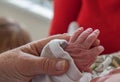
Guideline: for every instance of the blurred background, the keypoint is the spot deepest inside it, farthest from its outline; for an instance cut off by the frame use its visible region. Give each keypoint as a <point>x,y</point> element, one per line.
<point>35,15</point>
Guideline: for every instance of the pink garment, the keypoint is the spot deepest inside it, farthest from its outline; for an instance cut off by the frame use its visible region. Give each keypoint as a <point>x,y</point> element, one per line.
<point>113,76</point>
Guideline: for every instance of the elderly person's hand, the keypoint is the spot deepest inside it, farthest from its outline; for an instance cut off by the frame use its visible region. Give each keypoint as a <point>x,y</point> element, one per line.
<point>23,63</point>
<point>84,47</point>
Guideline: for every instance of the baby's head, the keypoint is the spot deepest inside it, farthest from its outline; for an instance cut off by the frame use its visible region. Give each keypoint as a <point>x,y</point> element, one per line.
<point>12,35</point>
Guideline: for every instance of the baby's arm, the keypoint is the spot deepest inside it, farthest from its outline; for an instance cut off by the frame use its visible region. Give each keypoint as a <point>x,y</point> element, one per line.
<point>81,48</point>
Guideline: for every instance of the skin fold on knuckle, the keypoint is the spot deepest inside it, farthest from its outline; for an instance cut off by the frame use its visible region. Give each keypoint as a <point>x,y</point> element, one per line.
<point>48,66</point>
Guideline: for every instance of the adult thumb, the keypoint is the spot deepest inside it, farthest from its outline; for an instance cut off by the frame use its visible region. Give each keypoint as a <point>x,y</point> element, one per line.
<point>52,66</point>
<point>33,65</point>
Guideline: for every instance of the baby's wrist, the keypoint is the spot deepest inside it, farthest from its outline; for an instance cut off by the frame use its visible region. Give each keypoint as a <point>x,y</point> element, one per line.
<point>85,69</point>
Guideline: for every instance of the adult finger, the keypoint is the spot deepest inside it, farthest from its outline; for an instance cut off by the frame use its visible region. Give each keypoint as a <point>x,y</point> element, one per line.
<point>30,65</point>
<point>36,47</point>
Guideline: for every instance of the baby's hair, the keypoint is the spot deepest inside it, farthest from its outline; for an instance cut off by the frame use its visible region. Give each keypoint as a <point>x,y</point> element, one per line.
<point>12,34</point>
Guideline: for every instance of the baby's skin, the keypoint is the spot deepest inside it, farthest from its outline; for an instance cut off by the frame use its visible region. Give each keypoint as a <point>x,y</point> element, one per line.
<point>84,47</point>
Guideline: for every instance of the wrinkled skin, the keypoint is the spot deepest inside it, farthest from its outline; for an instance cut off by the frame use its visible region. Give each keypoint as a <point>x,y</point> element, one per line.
<point>84,47</point>
<point>23,63</point>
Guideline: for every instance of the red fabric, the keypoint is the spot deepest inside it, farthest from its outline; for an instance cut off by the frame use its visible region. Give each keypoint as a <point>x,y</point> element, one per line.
<point>101,14</point>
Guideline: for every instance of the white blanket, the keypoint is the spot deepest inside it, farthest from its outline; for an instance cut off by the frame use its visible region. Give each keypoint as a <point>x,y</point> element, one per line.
<point>55,49</point>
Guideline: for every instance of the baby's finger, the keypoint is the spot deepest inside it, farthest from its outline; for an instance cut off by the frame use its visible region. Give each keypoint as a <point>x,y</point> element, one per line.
<point>76,34</point>
<point>96,51</point>
<point>84,35</point>
<point>91,39</point>
<point>96,43</point>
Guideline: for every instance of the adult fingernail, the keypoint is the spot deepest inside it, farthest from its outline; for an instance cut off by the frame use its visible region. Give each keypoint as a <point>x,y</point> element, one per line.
<point>60,66</point>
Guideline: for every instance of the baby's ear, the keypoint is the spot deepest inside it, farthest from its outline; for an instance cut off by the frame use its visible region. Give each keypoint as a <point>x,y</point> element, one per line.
<point>73,26</point>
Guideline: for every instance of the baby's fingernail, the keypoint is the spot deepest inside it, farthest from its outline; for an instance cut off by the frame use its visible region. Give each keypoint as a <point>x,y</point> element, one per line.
<point>89,29</point>
<point>97,31</point>
<point>60,66</point>
<point>101,48</point>
<point>81,28</point>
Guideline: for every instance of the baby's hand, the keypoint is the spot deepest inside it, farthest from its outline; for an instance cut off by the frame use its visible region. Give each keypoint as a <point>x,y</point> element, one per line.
<point>81,48</point>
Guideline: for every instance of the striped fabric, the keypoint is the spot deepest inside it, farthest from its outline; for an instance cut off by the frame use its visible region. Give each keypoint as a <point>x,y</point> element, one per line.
<point>105,63</point>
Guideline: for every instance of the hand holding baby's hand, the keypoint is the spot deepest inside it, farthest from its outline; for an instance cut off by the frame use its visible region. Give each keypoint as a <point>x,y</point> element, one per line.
<point>82,49</point>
